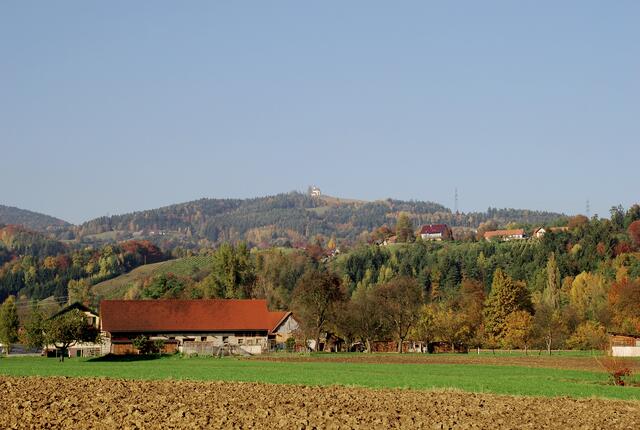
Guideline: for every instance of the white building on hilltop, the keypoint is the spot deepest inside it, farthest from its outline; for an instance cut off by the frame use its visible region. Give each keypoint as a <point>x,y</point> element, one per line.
<point>314,191</point>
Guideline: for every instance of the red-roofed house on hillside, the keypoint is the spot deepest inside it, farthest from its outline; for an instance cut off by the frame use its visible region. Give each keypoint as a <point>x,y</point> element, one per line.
<point>505,235</point>
<point>435,232</point>
<point>188,325</point>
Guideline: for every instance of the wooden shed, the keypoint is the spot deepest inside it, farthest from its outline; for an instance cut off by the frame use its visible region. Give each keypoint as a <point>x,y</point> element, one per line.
<point>624,344</point>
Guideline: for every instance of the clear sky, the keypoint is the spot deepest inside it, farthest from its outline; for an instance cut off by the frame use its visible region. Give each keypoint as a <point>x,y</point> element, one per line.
<point>110,107</point>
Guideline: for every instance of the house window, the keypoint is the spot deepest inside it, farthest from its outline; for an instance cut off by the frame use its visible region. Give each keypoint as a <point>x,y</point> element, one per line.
<point>240,341</point>
<point>203,338</point>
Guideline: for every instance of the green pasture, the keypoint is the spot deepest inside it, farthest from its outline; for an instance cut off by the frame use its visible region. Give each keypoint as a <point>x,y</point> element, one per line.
<point>512,380</point>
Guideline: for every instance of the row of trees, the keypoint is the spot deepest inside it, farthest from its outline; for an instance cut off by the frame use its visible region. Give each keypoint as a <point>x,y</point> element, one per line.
<point>398,309</point>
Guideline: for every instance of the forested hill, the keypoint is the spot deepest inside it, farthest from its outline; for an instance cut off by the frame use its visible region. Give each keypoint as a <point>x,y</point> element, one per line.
<point>29,219</point>
<point>292,217</point>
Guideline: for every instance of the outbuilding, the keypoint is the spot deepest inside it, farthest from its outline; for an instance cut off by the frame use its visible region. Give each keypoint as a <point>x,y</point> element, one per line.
<point>201,326</point>
<point>624,344</point>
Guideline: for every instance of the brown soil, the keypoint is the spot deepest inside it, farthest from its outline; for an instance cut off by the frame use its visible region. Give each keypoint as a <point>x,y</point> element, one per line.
<point>518,359</point>
<point>108,403</point>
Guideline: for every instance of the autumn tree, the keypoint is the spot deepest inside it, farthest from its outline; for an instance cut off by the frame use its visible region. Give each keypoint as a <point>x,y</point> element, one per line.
<point>518,330</point>
<point>548,321</point>
<point>588,296</point>
<point>367,315</point>
<point>624,302</point>
<point>232,274</point>
<point>634,232</point>
<point>9,323</point>
<point>80,291</point>
<point>402,298</point>
<point>404,229</point>
<point>588,335</point>
<point>551,293</point>
<point>425,329</point>
<point>452,326</point>
<point>315,301</point>
<point>471,303</point>
<point>577,222</point>
<point>506,296</point>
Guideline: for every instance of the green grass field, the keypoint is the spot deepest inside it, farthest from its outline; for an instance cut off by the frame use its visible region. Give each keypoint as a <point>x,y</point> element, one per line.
<point>512,380</point>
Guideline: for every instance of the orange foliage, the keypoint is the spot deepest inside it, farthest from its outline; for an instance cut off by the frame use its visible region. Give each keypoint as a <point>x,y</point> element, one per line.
<point>634,232</point>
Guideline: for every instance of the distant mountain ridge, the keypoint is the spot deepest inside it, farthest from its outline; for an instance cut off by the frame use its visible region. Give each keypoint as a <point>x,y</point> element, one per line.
<point>289,218</point>
<point>29,219</point>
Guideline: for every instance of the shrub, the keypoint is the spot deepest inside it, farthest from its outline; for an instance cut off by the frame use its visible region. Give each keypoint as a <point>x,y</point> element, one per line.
<point>290,344</point>
<point>141,344</point>
<point>617,368</point>
<point>158,346</point>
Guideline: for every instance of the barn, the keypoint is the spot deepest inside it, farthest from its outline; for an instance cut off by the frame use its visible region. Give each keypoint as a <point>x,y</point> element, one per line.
<point>203,326</point>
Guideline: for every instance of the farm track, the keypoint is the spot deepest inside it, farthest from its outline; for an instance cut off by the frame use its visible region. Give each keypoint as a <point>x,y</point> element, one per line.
<point>33,402</point>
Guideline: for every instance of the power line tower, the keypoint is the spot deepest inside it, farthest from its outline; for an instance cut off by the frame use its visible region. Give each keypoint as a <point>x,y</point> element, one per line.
<point>588,209</point>
<point>455,200</point>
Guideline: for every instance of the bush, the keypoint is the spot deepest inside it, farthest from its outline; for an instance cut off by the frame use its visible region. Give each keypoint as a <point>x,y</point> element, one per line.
<point>158,346</point>
<point>141,343</point>
<point>617,368</point>
<point>290,344</point>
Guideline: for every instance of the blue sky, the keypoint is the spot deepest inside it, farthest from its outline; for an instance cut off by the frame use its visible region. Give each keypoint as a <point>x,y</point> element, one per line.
<point>110,107</point>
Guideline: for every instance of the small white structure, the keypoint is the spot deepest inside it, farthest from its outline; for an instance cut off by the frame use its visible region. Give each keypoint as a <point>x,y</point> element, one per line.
<point>624,345</point>
<point>539,232</point>
<point>625,351</point>
<point>314,191</point>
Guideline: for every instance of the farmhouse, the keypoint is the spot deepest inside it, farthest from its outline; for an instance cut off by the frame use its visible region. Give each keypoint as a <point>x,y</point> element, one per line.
<point>505,235</point>
<point>246,326</point>
<point>539,232</point>
<point>624,345</point>
<point>79,349</point>
<point>436,232</point>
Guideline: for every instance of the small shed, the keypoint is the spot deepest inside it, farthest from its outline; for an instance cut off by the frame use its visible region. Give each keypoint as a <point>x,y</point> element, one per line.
<point>624,344</point>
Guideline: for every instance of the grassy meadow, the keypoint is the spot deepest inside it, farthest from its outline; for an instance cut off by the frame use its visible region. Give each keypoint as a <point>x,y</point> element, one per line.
<point>486,378</point>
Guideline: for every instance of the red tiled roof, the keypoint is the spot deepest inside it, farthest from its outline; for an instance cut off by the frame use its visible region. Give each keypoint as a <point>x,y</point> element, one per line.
<point>433,229</point>
<point>188,315</point>
<point>498,233</point>
<point>276,318</point>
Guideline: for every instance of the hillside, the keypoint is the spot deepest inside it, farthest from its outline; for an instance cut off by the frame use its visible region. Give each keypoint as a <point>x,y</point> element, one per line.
<point>116,288</point>
<point>31,220</point>
<point>284,219</point>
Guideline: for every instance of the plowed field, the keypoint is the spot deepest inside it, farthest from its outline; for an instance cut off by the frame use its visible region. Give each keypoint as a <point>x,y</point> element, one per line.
<point>109,403</point>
